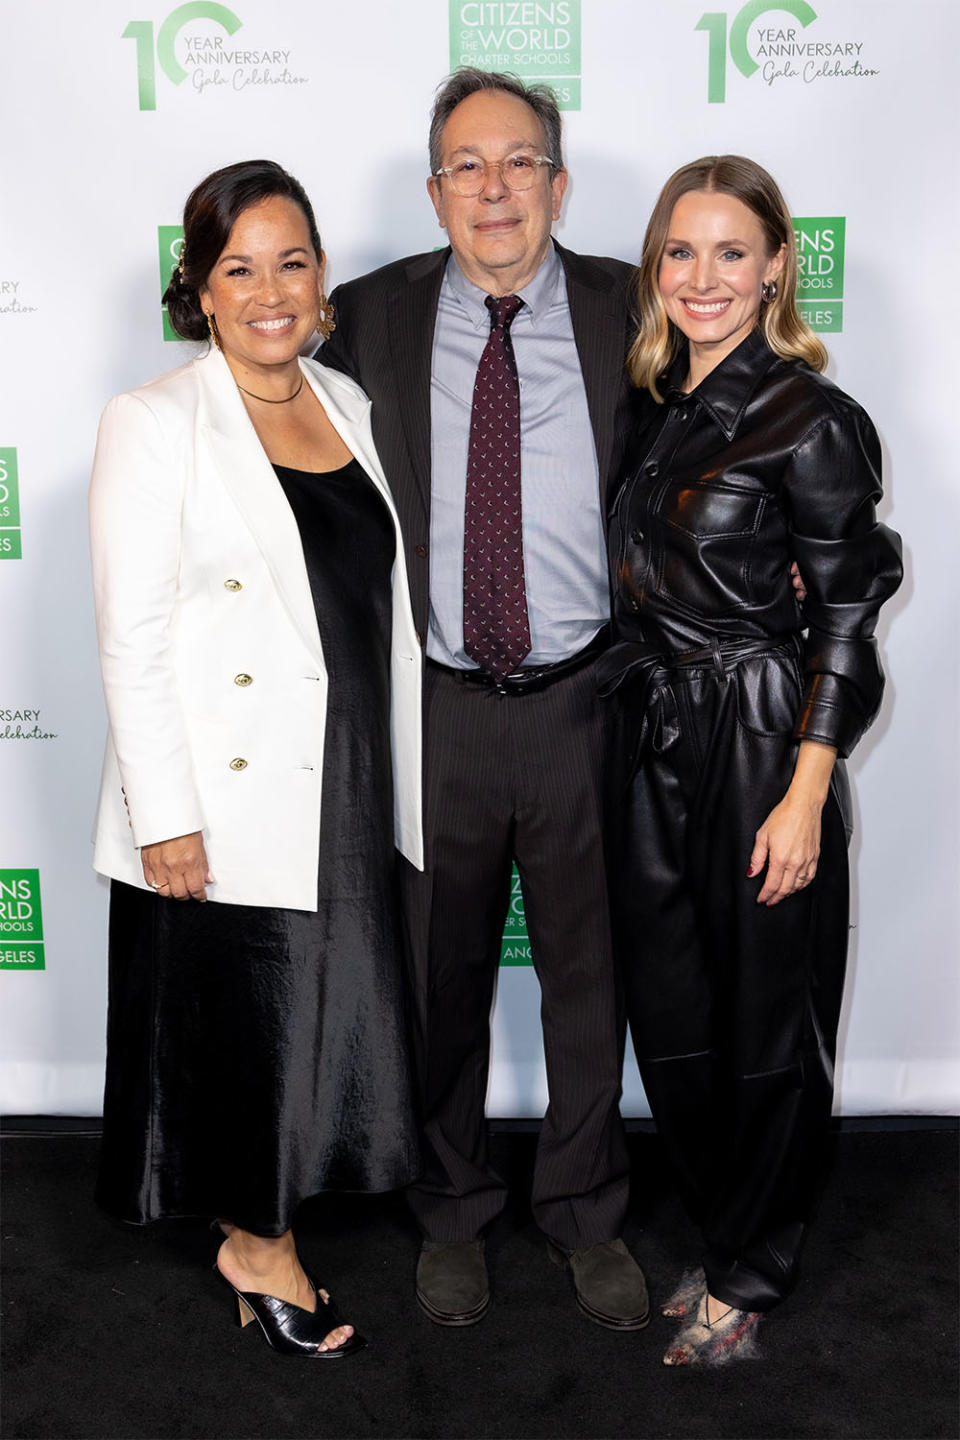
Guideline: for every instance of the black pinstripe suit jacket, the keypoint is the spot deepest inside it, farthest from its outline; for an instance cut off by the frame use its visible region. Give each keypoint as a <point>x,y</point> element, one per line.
<point>384,340</point>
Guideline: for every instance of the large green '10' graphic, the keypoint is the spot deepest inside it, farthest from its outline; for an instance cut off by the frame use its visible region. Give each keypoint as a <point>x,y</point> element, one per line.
<point>715,23</point>
<point>142,32</point>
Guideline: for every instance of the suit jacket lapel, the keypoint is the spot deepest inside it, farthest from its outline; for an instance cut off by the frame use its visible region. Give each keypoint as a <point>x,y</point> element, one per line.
<point>241,464</point>
<point>599,329</point>
<point>413,318</point>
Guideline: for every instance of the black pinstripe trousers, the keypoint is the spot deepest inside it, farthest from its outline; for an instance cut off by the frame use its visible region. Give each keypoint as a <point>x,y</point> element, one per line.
<point>516,777</point>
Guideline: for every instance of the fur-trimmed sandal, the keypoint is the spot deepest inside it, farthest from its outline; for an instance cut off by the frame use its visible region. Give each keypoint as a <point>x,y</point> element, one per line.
<point>712,1343</point>
<point>686,1298</point>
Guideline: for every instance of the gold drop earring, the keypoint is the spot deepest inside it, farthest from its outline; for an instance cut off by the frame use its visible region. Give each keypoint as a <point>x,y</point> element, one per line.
<point>326,323</point>
<point>212,326</point>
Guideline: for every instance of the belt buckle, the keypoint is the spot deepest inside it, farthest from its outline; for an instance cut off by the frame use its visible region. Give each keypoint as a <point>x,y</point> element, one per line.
<point>521,682</point>
<point>509,684</point>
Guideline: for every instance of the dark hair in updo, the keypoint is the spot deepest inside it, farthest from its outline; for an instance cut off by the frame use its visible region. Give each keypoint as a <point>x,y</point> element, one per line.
<point>211,212</point>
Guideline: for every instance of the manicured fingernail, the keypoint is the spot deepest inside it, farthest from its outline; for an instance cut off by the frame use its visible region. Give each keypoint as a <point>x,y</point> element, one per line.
<point>749,871</point>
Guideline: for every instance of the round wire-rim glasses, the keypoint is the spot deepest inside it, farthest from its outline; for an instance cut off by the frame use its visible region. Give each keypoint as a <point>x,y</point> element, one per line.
<point>518,172</point>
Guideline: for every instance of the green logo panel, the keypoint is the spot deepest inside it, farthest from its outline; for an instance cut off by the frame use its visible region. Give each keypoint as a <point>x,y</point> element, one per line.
<point>21,957</point>
<point>21,921</point>
<point>822,315</point>
<point>821,246</point>
<point>515,945</point>
<point>820,249</point>
<point>9,487</point>
<point>9,504</point>
<point>537,42</point>
<point>169,240</point>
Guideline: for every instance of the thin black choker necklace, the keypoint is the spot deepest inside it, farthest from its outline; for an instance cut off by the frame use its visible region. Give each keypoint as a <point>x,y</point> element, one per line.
<point>285,401</point>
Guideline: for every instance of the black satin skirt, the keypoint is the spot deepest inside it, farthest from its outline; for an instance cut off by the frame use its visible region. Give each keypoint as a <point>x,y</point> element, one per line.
<point>257,1056</point>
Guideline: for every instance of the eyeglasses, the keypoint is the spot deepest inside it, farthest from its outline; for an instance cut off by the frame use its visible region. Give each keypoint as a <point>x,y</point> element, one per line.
<point>518,172</point>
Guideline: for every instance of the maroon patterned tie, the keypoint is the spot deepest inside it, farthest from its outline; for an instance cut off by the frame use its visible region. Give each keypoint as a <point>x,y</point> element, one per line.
<point>496,627</point>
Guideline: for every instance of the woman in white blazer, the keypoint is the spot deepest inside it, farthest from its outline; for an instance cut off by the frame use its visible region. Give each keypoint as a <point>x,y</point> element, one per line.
<point>262,678</point>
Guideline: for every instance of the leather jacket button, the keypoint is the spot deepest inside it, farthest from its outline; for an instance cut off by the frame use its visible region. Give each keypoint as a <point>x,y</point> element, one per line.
<point>652,469</point>
<point>634,604</point>
<point>238,764</point>
<point>682,414</point>
<point>420,550</point>
<point>636,536</point>
<point>243,679</point>
<point>232,585</point>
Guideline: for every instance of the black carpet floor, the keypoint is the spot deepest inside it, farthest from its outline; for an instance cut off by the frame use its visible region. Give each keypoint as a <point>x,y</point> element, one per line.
<point>111,1331</point>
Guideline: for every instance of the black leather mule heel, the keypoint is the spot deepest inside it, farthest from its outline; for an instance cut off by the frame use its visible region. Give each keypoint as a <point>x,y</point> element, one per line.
<point>291,1330</point>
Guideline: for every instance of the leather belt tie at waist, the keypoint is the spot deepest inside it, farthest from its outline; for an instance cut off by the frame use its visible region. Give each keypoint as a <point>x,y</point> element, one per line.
<point>649,673</point>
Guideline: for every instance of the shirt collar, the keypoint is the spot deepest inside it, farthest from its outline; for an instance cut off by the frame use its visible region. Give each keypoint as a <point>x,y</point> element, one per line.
<point>537,297</point>
<point>726,391</point>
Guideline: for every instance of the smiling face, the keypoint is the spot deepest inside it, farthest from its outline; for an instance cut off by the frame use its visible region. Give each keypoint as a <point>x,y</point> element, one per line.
<point>714,264</point>
<point>500,236</point>
<point>265,288</point>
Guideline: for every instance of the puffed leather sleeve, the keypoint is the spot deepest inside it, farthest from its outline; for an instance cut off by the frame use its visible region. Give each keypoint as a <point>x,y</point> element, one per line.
<point>850,564</point>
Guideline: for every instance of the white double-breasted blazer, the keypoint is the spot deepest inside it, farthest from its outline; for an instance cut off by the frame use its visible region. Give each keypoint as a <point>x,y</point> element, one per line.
<point>212,665</point>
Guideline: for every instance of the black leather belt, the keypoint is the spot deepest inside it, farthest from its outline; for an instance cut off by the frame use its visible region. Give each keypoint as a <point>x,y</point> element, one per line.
<point>529,678</point>
<point>648,675</point>
<point>641,660</point>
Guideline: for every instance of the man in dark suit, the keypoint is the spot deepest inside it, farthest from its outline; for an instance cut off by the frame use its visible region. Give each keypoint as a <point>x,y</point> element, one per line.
<point>470,385</point>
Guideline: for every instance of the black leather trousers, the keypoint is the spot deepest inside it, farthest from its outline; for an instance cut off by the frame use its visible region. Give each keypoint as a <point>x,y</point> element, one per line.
<point>733,1006</point>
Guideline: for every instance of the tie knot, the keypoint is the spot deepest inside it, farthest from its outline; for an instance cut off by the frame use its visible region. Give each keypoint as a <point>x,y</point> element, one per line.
<point>502,310</point>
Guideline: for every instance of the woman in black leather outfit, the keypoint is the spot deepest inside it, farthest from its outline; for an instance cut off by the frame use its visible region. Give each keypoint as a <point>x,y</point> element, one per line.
<point>733,712</point>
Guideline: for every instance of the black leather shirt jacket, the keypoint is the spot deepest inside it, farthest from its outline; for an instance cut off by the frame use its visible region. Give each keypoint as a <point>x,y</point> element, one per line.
<point>765,462</point>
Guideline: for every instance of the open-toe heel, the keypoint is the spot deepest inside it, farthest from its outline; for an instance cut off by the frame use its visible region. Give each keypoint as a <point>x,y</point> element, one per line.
<point>291,1330</point>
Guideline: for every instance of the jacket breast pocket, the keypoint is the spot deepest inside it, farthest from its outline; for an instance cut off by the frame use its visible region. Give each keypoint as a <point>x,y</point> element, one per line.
<point>709,534</point>
<point>708,510</point>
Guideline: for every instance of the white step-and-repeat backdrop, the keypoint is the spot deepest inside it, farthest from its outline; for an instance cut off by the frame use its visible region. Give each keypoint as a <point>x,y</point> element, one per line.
<point>112,111</point>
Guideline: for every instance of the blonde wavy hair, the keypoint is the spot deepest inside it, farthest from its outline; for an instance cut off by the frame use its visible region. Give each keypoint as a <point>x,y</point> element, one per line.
<point>658,340</point>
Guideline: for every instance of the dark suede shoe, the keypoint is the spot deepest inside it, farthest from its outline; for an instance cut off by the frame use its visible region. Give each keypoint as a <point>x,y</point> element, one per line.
<point>452,1285</point>
<point>609,1283</point>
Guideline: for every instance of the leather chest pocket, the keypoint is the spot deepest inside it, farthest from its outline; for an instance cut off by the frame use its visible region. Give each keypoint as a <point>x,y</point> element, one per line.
<point>712,511</point>
<point>708,541</point>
